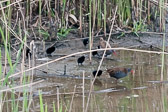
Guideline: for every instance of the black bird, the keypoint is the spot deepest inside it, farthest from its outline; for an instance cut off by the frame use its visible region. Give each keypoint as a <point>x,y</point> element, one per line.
<point>28,53</point>
<point>81,60</point>
<point>85,41</point>
<point>98,74</point>
<point>95,52</point>
<point>50,50</point>
<point>98,47</point>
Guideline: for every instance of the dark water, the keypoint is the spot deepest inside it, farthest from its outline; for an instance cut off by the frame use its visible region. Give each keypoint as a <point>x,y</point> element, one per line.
<point>140,92</point>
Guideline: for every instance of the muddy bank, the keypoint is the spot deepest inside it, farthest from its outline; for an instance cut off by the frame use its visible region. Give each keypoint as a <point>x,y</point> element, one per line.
<point>145,40</point>
<point>73,43</point>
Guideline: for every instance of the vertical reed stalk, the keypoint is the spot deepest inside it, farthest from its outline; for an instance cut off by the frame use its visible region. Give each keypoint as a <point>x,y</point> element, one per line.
<point>140,8</point>
<point>39,24</point>
<point>83,91</point>
<point>99,14</point>
<point>58,106</point>
<point>1,102</point>
<point>105,17</point>
<point>81,17</point>
<point>41,102</point>
<point>0,65</point>
<point>90,29</point>
<point>162,98</point>
<point>63,13</point>
<point>54,110</point>
<point>72,99</point>
<point>46,109</point>
<point>9,18</point>
<point>163,58</point>
<point>5,40</point>
<point>149,4</point>
<point>28,11</point>
<point>93,23</point>
<point>162,23</point>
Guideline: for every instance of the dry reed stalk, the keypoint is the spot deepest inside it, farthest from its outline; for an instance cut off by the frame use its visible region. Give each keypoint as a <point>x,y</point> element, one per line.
<point>72,99</point>
<point>58,106</point>
<point>83,91</point>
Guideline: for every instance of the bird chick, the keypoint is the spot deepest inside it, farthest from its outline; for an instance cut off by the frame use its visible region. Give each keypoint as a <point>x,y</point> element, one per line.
<point>50,50</point>
<point>81,60</point>
<point>98,74</point>
<point>85,41</point>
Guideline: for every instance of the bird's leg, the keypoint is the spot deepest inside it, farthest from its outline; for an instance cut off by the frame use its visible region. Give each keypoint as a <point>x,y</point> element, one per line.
<point>49,55</point>
<point>116,81</point>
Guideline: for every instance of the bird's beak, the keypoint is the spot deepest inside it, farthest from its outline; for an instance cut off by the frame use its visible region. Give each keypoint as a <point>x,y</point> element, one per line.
<point>115,53</point>
<point>132,71</point>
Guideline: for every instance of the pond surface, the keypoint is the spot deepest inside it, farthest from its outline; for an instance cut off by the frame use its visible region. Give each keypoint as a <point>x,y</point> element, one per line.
<point>140,92</point>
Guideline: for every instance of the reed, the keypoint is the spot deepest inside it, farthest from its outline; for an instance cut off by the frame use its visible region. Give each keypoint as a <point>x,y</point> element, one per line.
<point>99,19</point>
<point>63,13</point>
<point>162,28</point>
<point>105,12</point>
<point>9,15</point>
<point>90,28</point>
<point>164,102</point>
<point>81,18</point>
<point>39,24</point>
<point>41,101</point>
<point>54,110</point>
<point>0,64</point>
<point>46,108</point>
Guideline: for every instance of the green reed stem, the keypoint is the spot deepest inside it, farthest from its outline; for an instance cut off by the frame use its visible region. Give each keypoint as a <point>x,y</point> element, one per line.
<point>163,98</point>
<point>105,17</point>
<point>46,107</point>
<point>9,19</point>
<point>0,64</point>
<point>140,8</point>
<point>63,13</point>
<point>54,110</point>
<point>162,23</point>
<point>14,105</point>
<point>99,14</point>
<point>25,101</point>
<point>41,101</point>
<point>163,60</point>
